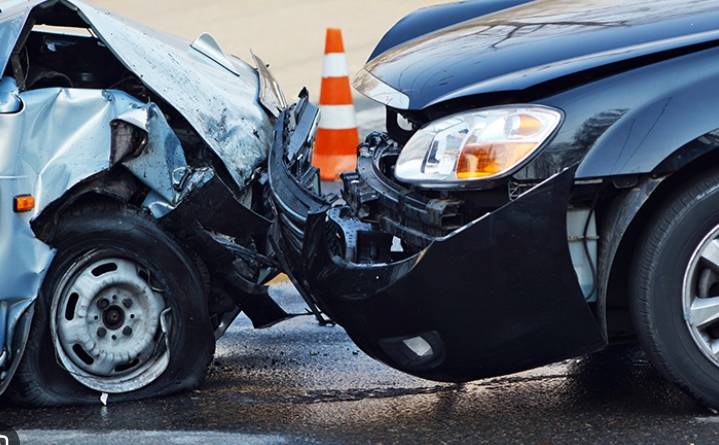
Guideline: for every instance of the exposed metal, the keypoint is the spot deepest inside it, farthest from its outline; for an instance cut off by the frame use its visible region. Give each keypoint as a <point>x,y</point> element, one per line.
<point>699,298</point>
<point>106,324</point>
<point>219,104</point>
<point>208,46</point>
<point>55,139</point>
<point>160,163</point>
<point>583,240</point>
<point>271,95</point>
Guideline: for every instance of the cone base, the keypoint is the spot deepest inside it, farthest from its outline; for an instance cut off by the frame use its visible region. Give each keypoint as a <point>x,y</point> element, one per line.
<point>332,165</point>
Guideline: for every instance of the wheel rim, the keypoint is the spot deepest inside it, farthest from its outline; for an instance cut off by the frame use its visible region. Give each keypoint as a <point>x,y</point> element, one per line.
<point>110,324</point>
<point>701,296</point>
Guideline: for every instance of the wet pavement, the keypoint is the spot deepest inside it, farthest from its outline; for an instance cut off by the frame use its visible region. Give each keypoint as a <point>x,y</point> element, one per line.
<point>299,382</point>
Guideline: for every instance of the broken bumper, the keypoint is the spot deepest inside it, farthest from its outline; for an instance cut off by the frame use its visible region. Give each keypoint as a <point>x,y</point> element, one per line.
<point>495,296</point>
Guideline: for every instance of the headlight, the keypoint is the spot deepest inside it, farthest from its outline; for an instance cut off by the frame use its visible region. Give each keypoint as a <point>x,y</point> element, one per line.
<point>481,144</point>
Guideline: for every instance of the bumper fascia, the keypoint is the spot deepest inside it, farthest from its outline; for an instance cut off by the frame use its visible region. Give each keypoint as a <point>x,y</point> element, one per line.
<point>495,297</point>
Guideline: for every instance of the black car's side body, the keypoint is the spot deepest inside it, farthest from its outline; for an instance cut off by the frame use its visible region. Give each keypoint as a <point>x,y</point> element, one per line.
<point>482,273</point>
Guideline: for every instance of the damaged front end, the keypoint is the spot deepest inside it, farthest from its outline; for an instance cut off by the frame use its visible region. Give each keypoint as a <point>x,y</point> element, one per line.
<point>95,108</point>
<point>476,236</point>
<point>440,285</point>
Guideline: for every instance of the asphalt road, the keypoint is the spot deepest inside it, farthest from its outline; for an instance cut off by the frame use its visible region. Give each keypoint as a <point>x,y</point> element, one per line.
<point>301,383</point>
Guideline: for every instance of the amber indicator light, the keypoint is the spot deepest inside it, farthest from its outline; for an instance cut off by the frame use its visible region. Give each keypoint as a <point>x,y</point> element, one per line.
<point>23,203</point>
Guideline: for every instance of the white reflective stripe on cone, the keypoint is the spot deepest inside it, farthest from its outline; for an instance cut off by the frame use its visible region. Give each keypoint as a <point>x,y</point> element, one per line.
<point>337,117</point>
<point>334,65</point>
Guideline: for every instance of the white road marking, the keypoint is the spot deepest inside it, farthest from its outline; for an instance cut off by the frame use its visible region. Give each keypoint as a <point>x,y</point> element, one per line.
<point>122,437</point>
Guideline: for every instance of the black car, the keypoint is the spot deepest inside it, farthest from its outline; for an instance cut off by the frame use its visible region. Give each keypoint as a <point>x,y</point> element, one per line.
<point>548,185</point>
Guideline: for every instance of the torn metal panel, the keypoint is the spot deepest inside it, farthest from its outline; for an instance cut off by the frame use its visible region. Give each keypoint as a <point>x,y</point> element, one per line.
<point>59,142</point>
<point>209,47</point>
<point>159,161</point>
<point>220,105</point>
<point>271,96</point>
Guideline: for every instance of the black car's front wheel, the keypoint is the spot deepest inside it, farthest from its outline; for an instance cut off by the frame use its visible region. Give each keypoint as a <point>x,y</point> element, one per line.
<point>121,312</point>
<point>675,301</point>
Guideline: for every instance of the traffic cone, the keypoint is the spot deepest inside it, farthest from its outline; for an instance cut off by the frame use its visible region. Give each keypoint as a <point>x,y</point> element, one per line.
<point>337,136</point>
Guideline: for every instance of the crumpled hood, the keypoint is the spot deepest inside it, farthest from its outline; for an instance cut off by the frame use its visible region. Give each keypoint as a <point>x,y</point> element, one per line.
<point>220,104</point>
<point>522,47</point>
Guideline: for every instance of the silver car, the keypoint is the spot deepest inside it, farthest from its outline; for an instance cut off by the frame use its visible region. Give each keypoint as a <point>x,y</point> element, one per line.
<point>134,216</point>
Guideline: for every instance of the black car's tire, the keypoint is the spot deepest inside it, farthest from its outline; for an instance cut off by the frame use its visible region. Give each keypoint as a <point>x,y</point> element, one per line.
<point>108,230</point>
<point>664,257</point>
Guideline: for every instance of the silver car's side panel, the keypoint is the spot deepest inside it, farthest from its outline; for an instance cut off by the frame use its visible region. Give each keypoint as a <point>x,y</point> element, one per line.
<point>65,138</point>
<point>23,262</point>
<point>9,96</point>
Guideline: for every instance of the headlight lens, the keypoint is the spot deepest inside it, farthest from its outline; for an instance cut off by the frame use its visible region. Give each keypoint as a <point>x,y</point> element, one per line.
<point>477,145</point>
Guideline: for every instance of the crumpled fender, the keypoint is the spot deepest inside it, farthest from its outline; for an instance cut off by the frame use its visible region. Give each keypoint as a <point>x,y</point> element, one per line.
<point>219,103</point>
<point>59,138</point>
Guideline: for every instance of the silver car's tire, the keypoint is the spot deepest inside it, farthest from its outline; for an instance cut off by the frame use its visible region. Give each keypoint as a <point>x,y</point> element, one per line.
<point>121,312</point>
<point>675,292</point>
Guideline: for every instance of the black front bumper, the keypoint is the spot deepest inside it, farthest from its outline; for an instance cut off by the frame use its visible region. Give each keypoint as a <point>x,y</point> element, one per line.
<point>496,296</point>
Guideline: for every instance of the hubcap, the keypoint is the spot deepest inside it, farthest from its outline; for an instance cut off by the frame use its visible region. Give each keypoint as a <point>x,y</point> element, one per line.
<point>701,296</point>
<point>109,325</point>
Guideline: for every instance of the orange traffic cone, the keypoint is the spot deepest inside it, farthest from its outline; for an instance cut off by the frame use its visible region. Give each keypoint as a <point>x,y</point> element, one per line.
<point>337,136</point>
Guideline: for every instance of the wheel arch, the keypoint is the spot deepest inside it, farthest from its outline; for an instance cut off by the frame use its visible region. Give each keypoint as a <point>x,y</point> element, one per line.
<point>115,185</point>
<point>628,213</point>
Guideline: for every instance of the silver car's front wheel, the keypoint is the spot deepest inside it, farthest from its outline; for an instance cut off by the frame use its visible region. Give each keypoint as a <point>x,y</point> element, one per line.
<point>122,311</point>
<point>110,324</point>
